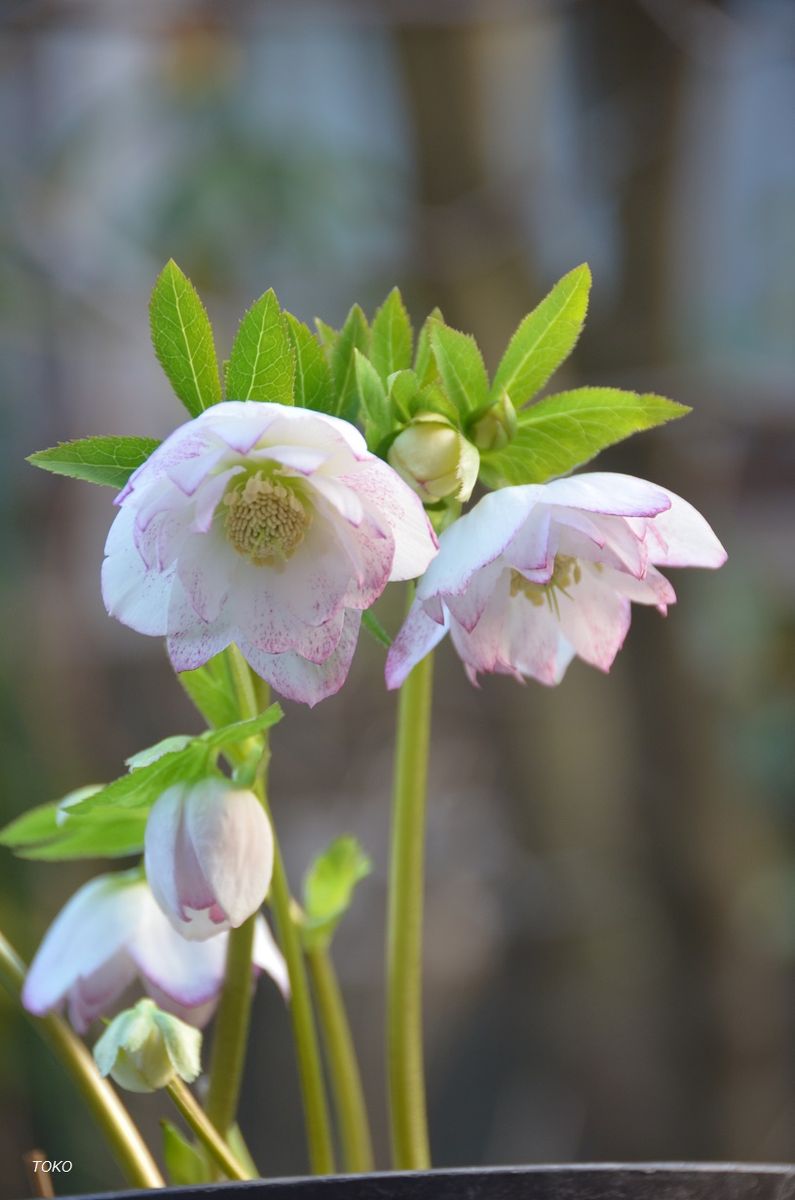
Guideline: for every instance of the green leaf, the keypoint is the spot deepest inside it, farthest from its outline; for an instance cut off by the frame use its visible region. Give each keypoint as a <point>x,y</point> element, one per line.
<point>564,431</point>
<point>313,386</point>
<point>424,362</point>
<point>212,691</point>
<point>107,460</point>
<point>183,340</point>
<point>328,889</point>
<point>404,388</point>
<point>375,629</point>
<point>431,398</point>
<point>55,832</point>
<point>241,731</point>
<point>375,407</point>
<point>261,365</point>
<point>327,333</point>
<point>185,1163</point>
<point>544,339</point>
<point>461,367</point>
<point>353,336</point>
<point>390,347</point>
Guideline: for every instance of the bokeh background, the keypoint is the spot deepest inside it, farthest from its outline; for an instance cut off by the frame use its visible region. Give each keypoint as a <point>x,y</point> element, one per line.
<point>611,891</point>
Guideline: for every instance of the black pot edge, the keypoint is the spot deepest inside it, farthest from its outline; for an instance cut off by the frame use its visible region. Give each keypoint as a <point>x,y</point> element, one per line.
<point>783,1171</point>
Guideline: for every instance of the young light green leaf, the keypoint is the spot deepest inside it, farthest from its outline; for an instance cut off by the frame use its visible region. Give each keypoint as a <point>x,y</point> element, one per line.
<point>183,340</point>
<point>55,832</point>
<point>261,365</point>
<point>185,1162</point>
<point>544,339</point>
<point>142,786</point>
<point>327,334</point>
<point>328,889</point>
<point>313,386</point>
<point>424,362</point>
<point>404,388</point>
<point>241,731</point>
<point>106,460</point>
<point>461,367</point>
<point>354,335</point>
<point>212,691</point>
<point>375,406</point>
<point>564,431</point>
<point>390,347</point>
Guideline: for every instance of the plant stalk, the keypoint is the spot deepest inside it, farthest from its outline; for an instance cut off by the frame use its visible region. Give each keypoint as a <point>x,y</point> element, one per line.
<point>206,1131</point>
<point>344,1074</point>
<point>124,1139</point>
<point>232,1023</point>
<point>406,1079</point>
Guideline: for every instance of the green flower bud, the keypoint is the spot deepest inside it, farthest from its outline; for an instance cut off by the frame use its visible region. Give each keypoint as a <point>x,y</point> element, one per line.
<point>435,459</point>
<point>497,427</point>
<point>143,1049</point>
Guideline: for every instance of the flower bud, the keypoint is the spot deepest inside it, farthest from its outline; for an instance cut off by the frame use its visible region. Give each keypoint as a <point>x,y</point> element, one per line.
<point>497,427</point>
<point>208,852</point>
<point>435,459</point>
<point>143,1049</point>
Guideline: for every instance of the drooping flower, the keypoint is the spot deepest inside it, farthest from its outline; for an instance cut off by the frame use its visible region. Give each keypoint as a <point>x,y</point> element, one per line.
<point>536,574</point>
<point>112,932</point>
<point>144,1049</point>
<point>268,526</point>
<point>208,856</point>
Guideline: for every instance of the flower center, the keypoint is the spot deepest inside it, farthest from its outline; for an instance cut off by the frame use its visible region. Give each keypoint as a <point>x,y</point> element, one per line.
<point>566,572</point>
<point>265,521</point>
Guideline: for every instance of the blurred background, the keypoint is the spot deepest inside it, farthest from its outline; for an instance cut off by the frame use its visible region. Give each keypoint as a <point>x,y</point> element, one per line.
<point>611,864</point>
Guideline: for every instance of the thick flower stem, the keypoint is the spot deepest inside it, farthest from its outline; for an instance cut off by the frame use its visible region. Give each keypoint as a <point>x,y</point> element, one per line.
<point>407,1108</point>
<point>123,1137</point>
<point>231,1029</point>
<point>346,1082</point>
<point>206,1131</point>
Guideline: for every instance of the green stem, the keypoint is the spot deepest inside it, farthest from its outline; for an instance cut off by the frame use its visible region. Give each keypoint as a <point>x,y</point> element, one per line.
<point>206,1132</point>
<point>231,1029</point>
<point>407,1108</point>
<point>125,1141</point>
<point>346,1082</point>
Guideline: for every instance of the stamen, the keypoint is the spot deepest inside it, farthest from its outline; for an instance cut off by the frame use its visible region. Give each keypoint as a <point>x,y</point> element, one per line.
<point>265,521</point>
<point>565,572</point>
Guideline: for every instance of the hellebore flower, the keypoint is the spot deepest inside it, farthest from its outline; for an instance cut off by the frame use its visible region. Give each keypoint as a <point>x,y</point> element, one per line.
<point>208,856</point>
<point>112,931</point>
<point>268,526</point>
<point>537,574</point>
<point>144,1049</point>
<point>435,460</point>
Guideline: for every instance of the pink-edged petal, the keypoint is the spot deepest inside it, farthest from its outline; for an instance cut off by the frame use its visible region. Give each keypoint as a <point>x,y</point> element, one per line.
<point>307,428</point>
<point>370,553</point>
<point>609,493</point>
<point>654,588</point>
<point>189,474</point>
<point>537,647</point>
<point>394,506</point>
<point>307,683</point>
<point>486,646</point>
<point>239,424</point>
<point>417,637</point>
<point>136,596</point>
<point>595,619</point>
<point>299,460</point>
<point>161,838</point>
<point>95,995</point>
<point>681,537</point>
<point>90,933</point>
<point>188,973</point>
<point>208,570</point>
<point>232,840</point>
<point>197,1015</point>
<point>630,551</point>
<point>193,642</point>
<point>340,497</point>
<point>319,642</point>
<point>529,550</point>
<point>468,607</point>
<point>269,958</point>
<point>209,497</point>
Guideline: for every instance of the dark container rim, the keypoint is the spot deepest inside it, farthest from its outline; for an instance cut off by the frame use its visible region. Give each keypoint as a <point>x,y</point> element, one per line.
<point>545,1181</point>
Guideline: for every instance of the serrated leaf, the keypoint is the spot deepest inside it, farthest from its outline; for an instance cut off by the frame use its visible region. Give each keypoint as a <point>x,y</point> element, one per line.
<point>183,340</point>
<point>185,1163</point>
<point>211,689</point>
<point>328,888</point>
<point>240,731</point>
<point>261,365</point>
<point>461,367</point>
<point>105,460</point>
<point>544,339</point>
<point>424,362</point>
<point>313,386</point>
<point>375,407</point>
<point>432,398</point>
<point>391,337</point>
<point>564,431</point>
<point>327,333</point>
<point>354,335</point>
<point>403,387</point>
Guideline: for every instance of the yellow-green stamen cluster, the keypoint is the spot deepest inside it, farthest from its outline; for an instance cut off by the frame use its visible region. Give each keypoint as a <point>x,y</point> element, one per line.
<point>265,520</point>
<point>565,573</point>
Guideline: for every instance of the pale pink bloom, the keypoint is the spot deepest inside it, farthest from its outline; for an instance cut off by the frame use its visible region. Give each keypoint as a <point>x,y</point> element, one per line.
<point>534,575</point>
<point>268,526</point>
<point>208,856</point>
<point>111,933</point>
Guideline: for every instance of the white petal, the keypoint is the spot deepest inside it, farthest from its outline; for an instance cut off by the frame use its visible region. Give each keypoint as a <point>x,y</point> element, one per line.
<point>607,492</point>
<point>417,637</point>
<point>307,683</point>
<point>269,958</point>
<point>208,570</point>
<point>188,973</point>
<point>395,507</point>
<point>681,537</point>
<point>233,843</point>
<point>191,641</point>
<point>163,826</point>
<point>134,595</point>
<point>595,619</point>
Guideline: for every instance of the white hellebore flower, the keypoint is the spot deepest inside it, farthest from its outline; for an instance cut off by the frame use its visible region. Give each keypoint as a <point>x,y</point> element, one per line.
<point>112,931</point>
<point>144,1049</point>
<point>208,855</point>
<point>268,526</point>
<point>534,575</point>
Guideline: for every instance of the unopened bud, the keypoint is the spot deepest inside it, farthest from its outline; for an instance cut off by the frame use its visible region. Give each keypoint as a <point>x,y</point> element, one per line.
<point>143,1049</point>
<point>435,459</point>
<point>497,427</point>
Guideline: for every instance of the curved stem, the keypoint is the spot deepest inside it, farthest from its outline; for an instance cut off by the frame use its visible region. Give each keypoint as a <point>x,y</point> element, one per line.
<point>206,1132</point>
<point>407,1107</point>
<point>125,1141</point>
<point>346,1082</point>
